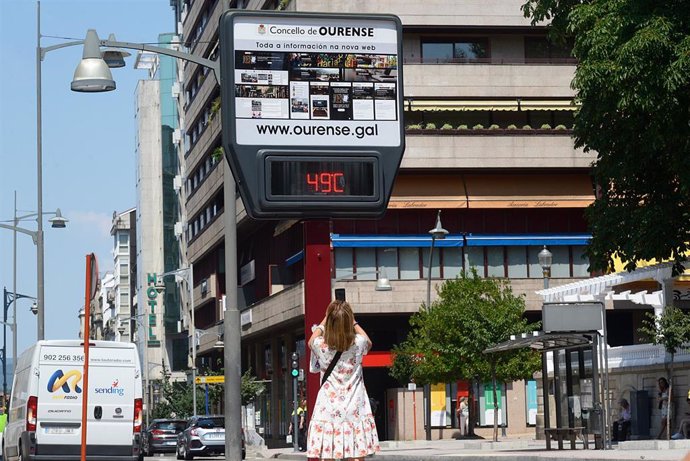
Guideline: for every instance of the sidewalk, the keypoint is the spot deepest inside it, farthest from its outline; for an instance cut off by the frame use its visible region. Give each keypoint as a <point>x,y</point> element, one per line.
<point>507,449</point>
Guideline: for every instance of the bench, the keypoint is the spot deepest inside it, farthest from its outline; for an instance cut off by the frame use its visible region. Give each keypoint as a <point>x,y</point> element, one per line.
<point>561,433</point>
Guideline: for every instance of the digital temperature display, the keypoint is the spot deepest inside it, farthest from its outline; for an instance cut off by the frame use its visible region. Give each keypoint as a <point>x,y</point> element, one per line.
<point>322,178</point>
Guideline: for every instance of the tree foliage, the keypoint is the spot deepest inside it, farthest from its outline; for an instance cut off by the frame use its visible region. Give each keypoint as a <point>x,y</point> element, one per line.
<point>671,329</point>
<point>447,340</point>
<point>176,396</point>
<point>633,85</point>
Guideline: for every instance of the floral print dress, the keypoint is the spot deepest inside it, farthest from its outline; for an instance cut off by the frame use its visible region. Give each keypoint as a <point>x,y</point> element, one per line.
<point>342,425</point>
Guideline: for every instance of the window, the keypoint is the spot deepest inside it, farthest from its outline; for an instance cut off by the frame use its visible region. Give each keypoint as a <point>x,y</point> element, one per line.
<point>474,257</point>
<point>365,258</point>
<point>540,49</point>
<point>123,239</point>
<point>343,262</point>
<point>458,50</point>
<point>580,262</point>
<point>560,266</point>
<point>452,262</point>
<point>435,266</point>
<point>409,263</point>
<point>495,266</point>
<point>517,262</point>
<point>387,263</point>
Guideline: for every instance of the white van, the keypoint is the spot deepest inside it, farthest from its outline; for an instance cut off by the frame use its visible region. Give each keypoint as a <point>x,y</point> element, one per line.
<point>45,411</point>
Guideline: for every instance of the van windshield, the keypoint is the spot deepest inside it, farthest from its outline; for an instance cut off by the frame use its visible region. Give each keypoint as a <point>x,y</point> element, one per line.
<point>211,423</point>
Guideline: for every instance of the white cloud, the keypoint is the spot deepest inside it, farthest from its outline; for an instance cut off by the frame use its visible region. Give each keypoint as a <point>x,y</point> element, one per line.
<point>103,222</point>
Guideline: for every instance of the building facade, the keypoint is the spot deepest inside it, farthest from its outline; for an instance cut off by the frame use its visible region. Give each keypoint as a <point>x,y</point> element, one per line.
<point>488,113</point>
<point>163,344</point>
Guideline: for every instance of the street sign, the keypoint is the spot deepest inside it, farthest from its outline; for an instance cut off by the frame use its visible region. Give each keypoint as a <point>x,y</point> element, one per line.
<point>312,111</point>
<point>210,379</point>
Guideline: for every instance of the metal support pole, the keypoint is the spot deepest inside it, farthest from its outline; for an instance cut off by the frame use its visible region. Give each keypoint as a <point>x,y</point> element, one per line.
<point>427,387</point>
<point>4,347</point>
<point>14,288</point>
<point>40,294</point>
<point>192,330</point>
<point>295,417</point>
<point>232,352</point>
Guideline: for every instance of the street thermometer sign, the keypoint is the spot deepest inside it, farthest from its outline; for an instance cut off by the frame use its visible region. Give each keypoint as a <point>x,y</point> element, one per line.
<point>312,111</point>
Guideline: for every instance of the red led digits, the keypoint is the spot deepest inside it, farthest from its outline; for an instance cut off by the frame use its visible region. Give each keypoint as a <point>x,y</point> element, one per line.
<point>326,183</point>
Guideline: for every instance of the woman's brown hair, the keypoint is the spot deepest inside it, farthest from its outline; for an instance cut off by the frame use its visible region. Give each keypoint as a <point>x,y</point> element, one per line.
<point>340,330</point>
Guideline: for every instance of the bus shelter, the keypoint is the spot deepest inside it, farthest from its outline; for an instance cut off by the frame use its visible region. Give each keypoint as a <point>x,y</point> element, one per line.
<point>573,375</point>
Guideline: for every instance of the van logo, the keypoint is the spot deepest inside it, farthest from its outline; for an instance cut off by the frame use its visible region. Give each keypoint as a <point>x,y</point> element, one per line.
<point>59,380</point>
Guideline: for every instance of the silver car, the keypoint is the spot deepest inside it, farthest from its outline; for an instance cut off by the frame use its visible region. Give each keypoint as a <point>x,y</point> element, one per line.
<point>203,436</point>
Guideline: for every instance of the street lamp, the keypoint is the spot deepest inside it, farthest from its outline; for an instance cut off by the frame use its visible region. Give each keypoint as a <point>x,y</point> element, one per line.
<point>57,221</point>
<point>545,260</point>
<point>187,275</point>
<point>94,77</point>
<point>8,299</point>
<point>438,232</point>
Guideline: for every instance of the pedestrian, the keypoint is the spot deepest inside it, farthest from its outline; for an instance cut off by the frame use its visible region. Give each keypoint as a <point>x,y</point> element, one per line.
<point>301,413</point>
<point>663,405</point>
<point>684,425</point>
<point>621,427</point>
<point>342,425</point>
<point>462,413</point>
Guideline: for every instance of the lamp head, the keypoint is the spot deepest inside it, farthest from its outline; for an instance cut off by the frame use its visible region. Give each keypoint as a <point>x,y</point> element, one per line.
<point>160,287</point>
<point>438,232</point>
<point>382,283</point>
<point>219,344</point>
<point>92,74</point>
<point>121,328</point>
<point>58,221</point>
<point>545,258</point>
<point>114,57</point>
<point>34,308</point>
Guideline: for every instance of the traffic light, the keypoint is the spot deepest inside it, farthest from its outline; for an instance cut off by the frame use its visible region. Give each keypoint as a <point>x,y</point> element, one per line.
<point>294,365</point>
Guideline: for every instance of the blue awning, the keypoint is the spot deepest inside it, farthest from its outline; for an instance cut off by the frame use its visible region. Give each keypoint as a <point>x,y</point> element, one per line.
<point>297,257</point>
<point>484,240</point>
<point>456,240</point>
<point>390,241</point>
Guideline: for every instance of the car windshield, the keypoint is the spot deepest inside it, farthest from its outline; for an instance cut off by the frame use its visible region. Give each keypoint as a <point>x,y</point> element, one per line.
<point>177,426</point>
<point>211,423</point>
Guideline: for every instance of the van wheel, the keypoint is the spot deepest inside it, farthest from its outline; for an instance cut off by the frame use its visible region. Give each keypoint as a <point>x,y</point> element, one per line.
<point>20,455</point>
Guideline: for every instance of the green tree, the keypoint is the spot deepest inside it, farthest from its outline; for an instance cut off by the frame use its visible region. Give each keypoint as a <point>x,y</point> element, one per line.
<point>633,85</point>
<point>176,396</point>
<point>446,341</point>
<point>671,330</point>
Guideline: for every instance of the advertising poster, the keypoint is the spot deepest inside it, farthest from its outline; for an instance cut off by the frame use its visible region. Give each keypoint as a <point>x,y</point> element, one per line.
<point>298,81</point>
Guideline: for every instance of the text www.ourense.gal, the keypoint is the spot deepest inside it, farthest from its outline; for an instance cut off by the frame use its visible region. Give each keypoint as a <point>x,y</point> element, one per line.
<point>318,130</point>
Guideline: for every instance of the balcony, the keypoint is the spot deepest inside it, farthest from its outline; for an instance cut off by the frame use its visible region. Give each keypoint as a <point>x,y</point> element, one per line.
<point>206,141</point>
<point>207,239</point>
<point>434,13</point>
<point>519,151</point>
<point>488,80</point>
<point>208,189</point>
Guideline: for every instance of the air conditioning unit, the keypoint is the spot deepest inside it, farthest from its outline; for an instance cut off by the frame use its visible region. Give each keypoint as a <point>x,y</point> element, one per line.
<point>204,287</point>
<point>179,229</point>
<point>175,90</point>
<point>177,183</point>
<point>177,136</point>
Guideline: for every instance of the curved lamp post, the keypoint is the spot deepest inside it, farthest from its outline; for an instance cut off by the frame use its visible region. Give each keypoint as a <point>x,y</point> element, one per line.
<point>438,232</point>
<point>92,76</point>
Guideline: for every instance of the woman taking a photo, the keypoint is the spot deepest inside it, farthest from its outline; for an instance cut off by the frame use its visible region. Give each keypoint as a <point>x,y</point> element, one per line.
<point>342,425</point>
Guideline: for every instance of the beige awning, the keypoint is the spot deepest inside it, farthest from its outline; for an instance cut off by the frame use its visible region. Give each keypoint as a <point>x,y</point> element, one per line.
<point>488,104</point>
<point>568,190</point>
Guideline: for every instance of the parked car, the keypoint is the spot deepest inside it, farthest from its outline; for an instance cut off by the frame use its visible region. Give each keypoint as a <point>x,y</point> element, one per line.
<point>203,436</point>
<point>161,436</point>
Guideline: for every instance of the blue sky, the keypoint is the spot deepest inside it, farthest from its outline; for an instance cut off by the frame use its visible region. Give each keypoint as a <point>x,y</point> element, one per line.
<point>88,147</point>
